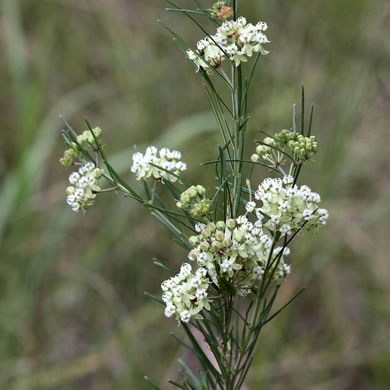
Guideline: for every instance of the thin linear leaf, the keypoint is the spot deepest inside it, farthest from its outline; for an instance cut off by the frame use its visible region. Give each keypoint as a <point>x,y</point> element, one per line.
<point>147,379</point>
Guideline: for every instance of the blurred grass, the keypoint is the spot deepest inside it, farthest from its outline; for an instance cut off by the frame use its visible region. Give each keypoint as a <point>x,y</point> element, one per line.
<point>72,310</point>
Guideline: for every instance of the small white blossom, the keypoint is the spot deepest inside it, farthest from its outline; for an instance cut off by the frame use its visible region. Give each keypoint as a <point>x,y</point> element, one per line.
<point>84,185</point>
<point>250,206</point>
<point>185,316</point>
<point>147,165</point>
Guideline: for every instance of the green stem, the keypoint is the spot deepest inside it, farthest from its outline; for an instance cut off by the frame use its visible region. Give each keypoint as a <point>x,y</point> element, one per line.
<point>236,138</point>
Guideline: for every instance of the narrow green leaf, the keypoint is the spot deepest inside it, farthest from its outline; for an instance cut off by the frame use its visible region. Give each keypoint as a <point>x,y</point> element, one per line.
<point>303,111</point>
<point>189,373</point>
<point>285,305</point>
<point>160,264</point>
<point>159,300</point>
<point>147,379</point>
<point>310,121</point>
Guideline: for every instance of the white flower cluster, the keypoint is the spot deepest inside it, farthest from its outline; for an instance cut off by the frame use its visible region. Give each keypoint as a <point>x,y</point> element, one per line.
<point>166,159</point>
<point>237,251</point>
<point>235,40</point>
<point>185,294</point>
<point>84,185</point>
<point>288,206</point>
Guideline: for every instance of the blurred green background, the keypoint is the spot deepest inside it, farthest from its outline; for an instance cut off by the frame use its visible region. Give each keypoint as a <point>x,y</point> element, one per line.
<point>73,314</point>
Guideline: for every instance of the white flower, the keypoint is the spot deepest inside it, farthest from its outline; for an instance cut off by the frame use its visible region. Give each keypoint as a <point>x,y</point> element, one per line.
<point>258,272</point>
<point>169,310</point>
<point>242,219</point>
<point>85,183</point>
<point>185,316</point>
<point>288,207</point>
<point>147,165</point>
<point>185,294</point>
<point>201,294</point>
<point>250,206</point>
<point>239,256</point>
<point>235,39</point>
<point>199,227</point>
<point>74,177</point>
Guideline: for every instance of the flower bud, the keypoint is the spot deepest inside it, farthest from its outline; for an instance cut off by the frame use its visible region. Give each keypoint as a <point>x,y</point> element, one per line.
<point>204,245</point>
<point>193,240</point>
<point>97,172</point>
<point>240,237</point>
<point>255,157</point>
<point>259,149</point>
<point>231,223</point>
<point>193,254</point>
<point>227,242</point>
<point>269,141</point>
<point>206,233</point>
<point>192,192</point>
<point>201,190</point>
<point>216,246</point>
<point>211,227</point>
<point>220,226</point>
<point>69,190</point>
<point>219,236</point>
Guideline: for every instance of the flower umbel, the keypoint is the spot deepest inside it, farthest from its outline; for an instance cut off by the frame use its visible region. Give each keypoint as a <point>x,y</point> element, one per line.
<point>185,294</point>
<point>194,201</point>
<point>236,251</point>
<point>163,164</point>
<point>234,40</point>
<point>287,207</point>
<point>84,185</point>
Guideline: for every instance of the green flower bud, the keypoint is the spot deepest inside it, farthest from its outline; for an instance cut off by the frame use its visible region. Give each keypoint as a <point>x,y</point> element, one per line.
<point>97,172</point>
<point>219,236</point>
<point>220,225</point>
<point>211,226</point>
<point>206,233</point>
<point>97,131</point>
<point>69,190</point>
<point>204,245</point>
<point>192,192</point>
<point>201,190</point>
<point>193,254</point>
<point>216,246</point>
<point>192,201</point>
<point>227,242</point>
<point>269,141</point>
<point>240,237</point>
<point>255,157</point>
<point>193,240</point>
<point>259,149</point>
<point>231,223</point>
<point>67,160</point>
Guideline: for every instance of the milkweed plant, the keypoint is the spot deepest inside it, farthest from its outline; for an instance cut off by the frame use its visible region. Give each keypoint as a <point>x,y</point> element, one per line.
<point>236,236</point>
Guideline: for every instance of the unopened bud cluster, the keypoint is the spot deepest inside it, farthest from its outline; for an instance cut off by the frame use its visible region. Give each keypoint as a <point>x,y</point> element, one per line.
<point>149,164</point>
<point>195,201</point>
<point>236,251</point>
<point>235,40</point>
<point>304,148</point>
<point>221,11</point>
<point>84,184</point>
<point>85,139</point>
<point>185,295</point>
<point>287,207</point>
